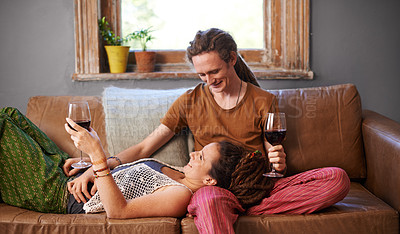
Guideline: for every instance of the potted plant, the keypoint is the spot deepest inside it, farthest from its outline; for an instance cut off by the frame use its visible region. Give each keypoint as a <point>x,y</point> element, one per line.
<point>117,53</point>
<point>145,60</point>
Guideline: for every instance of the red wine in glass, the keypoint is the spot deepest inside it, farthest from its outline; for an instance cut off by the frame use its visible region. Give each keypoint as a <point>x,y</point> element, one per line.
<point>275,137</point>
<point>79,112</point>
<point>275,133</point>
<point>84,124</point>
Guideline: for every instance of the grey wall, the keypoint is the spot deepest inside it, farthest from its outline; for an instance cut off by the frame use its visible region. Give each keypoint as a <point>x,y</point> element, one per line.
<point>353,41</point>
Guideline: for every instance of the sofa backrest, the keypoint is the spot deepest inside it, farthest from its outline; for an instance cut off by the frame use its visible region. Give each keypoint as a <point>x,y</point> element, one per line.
<point>49,113</point>
<point>323,128</point>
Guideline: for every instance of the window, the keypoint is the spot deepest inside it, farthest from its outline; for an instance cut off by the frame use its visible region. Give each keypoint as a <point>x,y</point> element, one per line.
<point>285,54</point>
<point>175,22</point>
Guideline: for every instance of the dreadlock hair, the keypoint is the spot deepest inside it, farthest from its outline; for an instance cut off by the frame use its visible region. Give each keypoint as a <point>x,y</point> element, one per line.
<point>240,171</point>
<point>248,183</point>
<point>215,39</point>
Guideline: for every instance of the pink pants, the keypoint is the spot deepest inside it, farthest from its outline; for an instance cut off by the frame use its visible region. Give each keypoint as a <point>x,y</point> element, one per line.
<point>215,210</point>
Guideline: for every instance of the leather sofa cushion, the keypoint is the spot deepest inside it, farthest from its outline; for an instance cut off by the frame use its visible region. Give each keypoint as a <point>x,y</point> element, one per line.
<point>359,212</point>
<point>18,220</point>
<point>49,113</point>
<point>323,128</point>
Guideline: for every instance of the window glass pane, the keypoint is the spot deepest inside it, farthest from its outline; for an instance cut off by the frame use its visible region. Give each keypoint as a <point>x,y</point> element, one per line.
<point>175,22</point>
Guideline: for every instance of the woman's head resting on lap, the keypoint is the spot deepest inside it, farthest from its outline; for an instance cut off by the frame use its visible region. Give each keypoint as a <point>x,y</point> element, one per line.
<point>197,171</point>
<point>231,167</point>
<point>213,165</point>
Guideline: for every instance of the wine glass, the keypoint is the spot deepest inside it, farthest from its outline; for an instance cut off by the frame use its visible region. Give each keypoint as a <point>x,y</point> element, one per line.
<point>275,133</point>
<point>79,112</point>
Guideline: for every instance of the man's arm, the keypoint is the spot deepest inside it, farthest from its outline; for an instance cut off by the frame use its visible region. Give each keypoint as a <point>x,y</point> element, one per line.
<point>161,135</point>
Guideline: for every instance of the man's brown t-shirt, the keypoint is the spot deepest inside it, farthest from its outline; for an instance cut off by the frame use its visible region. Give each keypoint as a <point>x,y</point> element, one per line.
<point>208,122</point>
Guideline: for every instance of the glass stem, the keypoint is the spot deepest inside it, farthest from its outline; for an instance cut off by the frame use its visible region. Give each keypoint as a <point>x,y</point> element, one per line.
<point>272,167</point>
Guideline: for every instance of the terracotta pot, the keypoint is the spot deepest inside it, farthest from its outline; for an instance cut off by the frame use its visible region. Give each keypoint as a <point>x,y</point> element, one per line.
<point>145,61</point>
<point>117,58</point>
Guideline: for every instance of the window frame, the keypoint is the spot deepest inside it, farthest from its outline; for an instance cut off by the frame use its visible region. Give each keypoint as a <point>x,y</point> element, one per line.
<point>286,53</point>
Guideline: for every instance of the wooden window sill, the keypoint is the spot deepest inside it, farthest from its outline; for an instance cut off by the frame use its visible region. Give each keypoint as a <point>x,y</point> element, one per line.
<point>168,75</point>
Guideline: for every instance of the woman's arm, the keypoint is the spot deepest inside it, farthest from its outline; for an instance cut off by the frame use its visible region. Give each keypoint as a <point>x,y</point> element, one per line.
<point>89,143</point>
<point>172,201</point>
<point>161,135</point>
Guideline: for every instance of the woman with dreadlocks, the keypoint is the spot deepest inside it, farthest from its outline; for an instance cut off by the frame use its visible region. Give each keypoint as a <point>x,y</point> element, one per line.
<point>242,174</point>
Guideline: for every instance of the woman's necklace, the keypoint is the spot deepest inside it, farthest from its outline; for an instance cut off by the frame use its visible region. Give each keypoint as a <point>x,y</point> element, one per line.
<point>240,89</point>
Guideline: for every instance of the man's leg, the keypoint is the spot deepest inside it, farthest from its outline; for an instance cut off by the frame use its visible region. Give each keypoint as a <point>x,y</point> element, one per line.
<point>215,210</point>
<point>305,192</point>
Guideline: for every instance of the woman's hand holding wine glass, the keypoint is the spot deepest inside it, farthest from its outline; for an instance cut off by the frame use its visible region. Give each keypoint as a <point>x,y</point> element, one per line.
<point>87,142</point>
<point>79,112</point>
<point>85,139</point>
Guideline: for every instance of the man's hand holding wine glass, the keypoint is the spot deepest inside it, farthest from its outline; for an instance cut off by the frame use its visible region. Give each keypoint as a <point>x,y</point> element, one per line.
<point>277,157</point>
<point>275,133</point>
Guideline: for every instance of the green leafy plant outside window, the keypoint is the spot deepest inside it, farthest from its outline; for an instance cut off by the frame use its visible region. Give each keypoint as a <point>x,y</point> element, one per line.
<point>143,35</point>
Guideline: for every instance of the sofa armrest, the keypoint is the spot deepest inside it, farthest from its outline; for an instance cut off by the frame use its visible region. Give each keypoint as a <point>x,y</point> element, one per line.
<point>381,137</point>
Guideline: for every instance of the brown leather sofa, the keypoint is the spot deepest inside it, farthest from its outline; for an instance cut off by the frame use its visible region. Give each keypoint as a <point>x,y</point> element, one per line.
<point>326,127</point>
